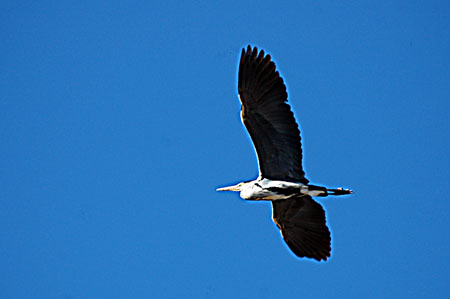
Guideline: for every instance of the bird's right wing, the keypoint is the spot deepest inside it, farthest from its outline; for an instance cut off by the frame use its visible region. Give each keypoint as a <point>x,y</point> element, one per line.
<point>303,226</point>
<point>268,118</point>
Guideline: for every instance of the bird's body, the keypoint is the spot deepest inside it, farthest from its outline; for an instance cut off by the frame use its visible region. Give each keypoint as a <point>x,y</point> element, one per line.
<point>265,189</point>
<point>276,137</point>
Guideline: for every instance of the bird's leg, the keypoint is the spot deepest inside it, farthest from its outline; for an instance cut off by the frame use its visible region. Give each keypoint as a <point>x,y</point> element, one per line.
<point>339,191</point>
<point>322,191</point>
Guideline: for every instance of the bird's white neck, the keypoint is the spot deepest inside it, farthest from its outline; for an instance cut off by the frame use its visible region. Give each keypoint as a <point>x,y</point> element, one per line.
<point>266,189</point>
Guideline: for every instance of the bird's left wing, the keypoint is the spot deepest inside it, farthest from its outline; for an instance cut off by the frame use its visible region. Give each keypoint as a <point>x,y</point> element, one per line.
<point>268,118</point>
<point>303,226</point>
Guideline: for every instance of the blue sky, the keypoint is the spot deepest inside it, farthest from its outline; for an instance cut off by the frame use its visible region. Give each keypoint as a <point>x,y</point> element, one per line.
<point>119,119</point>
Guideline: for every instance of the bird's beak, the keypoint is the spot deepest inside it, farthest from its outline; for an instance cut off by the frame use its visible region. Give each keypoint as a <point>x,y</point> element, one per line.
<point>229,188</point>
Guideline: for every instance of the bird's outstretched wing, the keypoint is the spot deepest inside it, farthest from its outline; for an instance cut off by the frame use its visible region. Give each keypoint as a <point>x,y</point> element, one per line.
<point>303,226</point>
<point>268,118</point>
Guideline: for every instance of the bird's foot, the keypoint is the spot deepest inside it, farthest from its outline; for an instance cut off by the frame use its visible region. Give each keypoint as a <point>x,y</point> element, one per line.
<point>339,191</point>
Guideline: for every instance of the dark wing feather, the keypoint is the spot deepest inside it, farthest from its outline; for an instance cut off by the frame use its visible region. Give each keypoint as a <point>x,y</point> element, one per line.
<point>303,226</point>
<point>268,118</point>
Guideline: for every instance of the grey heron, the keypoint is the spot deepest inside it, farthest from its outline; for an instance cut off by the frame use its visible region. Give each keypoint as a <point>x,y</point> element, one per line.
<point>276,138</point>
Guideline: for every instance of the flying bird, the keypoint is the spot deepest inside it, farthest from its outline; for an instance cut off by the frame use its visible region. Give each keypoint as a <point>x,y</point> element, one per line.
<point>276,138</point>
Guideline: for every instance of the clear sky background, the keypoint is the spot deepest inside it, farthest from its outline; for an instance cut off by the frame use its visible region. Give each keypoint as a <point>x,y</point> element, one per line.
<point>118,119</point>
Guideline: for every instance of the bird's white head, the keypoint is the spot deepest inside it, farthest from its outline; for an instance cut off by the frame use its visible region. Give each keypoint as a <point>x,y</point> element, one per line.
<point>237,187</point>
